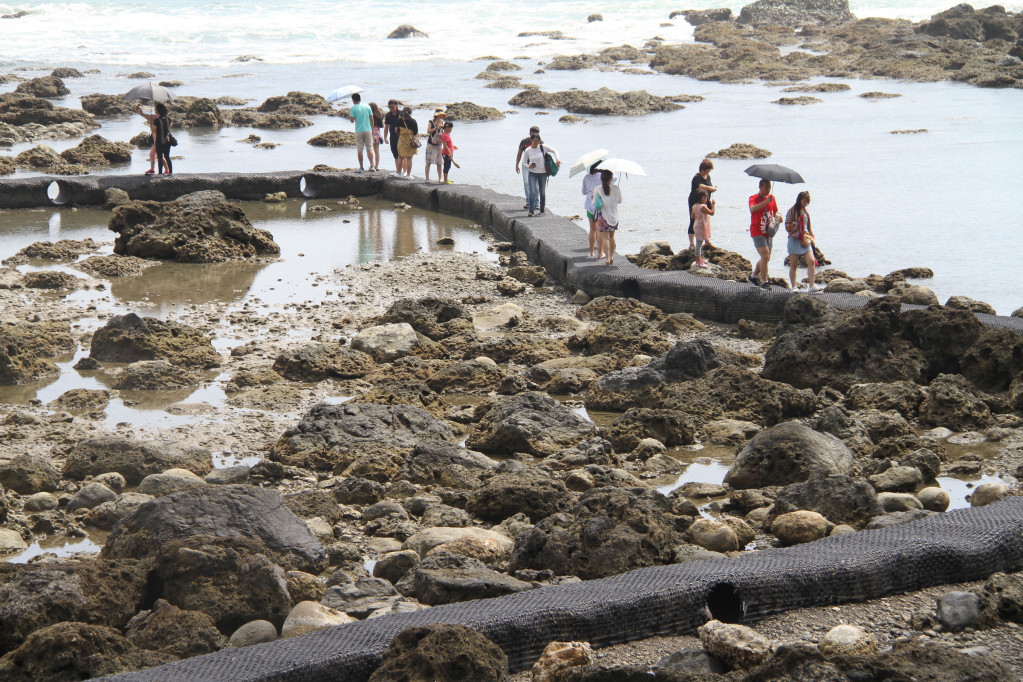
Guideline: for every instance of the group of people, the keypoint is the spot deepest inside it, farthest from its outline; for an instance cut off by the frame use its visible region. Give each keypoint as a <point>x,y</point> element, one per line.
<point>400,131</point>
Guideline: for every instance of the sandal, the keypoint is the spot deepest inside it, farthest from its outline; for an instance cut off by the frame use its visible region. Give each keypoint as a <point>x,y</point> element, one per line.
<point>150,172</point>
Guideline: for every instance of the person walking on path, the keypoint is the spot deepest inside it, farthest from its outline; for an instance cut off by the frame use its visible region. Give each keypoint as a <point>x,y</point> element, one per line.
<point>523,145</point>
<point>150,118</point>
<point>607,197</point>
<point>800,243</point>
<point>378,123</point>
<point>407,131</point>
<point>434,152</point>
<point>162,138</point>
<point>699,216</point>
<point>536,163</point>
<point>447,149</point>
<point>392,121</point>
<point>590,182</point>
<point>701,181</point>
<point>763,220</point>
<point>362,116</point>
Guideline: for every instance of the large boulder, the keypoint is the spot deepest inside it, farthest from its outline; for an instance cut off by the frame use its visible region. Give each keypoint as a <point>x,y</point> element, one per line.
<point>95,591</point>
<point>226,511</point>
<point>690,378</point>
<point>202,227</point>
<point>26,349</point>
<point>796,13</point>
<point>819,346</point>
<point>76,651</point>
<point>437,463</point>
<point>233,580</point>
<point>530,422</point>
<point>839,498</point>
<point>442,653</point>
<point>133,459</point>
<point>43,86</point>
<point>519,489</point>
<point>27,474</point>
<point>96,150</point>
<point>129,338</point>
<point>994,359</point>
<point>623,337</point>
<point>330,436</point>
<point>942,335</point>
<point>609,531</point>
<point>670,427</point>
<point>603,101</point>
<point>434,586</point>
<point>320,361</point>
<point>952,402</point>
<point>171,630</point>
<point>787,453</point>
<point>386,342</point>
<point>428,316</point>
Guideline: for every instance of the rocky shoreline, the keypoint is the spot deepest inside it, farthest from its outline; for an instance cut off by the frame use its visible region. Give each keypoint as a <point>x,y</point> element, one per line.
<point>357,497</point>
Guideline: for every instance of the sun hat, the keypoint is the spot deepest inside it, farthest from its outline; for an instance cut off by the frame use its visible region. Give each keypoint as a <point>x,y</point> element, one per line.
<point>439,112</point>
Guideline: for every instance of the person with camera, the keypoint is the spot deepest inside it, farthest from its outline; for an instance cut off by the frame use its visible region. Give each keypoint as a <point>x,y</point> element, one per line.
<point>763,226</point>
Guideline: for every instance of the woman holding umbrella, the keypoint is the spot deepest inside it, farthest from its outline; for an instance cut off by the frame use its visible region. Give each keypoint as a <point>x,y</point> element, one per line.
<point>607,196</point>
<point>162,137</point>
<point>763,226</point>
<point>590,182</point>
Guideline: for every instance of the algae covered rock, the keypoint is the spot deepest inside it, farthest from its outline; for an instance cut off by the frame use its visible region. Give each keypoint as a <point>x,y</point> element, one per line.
<point>202,227</point>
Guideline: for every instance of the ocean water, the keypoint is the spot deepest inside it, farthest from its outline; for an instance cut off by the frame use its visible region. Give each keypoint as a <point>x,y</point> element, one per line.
<point>945,199</point>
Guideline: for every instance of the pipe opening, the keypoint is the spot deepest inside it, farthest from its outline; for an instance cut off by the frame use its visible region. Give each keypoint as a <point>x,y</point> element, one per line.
<point>630,288</point>
<point>59,193</point>
<point>308,187</point>
<point>724,601</point>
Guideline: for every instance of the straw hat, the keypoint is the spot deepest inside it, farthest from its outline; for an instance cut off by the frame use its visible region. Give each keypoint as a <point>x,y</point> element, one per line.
<point>439,112</point>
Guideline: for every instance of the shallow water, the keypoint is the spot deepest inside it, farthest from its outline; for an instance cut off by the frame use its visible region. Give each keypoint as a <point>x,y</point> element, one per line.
<point>60,546</point>
<point>313,245</point>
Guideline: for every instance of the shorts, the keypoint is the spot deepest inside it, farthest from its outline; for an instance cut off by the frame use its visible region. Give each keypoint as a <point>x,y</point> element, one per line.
<point>604,226</point>
<point>760,241</point>
<point>447,164</point>
<point>364,140</point>
<point>797,249</point>
<point>590,215</point>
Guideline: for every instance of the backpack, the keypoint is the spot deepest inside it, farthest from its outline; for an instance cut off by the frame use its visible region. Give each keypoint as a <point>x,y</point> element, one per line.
<point>549,162</point>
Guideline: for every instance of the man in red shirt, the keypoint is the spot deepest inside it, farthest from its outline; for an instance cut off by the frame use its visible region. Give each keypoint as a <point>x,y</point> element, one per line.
<point>763,212</point>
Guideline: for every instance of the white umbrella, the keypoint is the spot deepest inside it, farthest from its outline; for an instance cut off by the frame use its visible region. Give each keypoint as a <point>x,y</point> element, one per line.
<point>622,167</point>
<point>587,160</point>
<point>343,93</point>
<point>156,93</point>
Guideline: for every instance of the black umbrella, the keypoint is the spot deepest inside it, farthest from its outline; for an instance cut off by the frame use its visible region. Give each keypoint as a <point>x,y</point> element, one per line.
<point>774,173</point>
<point>156,93</point>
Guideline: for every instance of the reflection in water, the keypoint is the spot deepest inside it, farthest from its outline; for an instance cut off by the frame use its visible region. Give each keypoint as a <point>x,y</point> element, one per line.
<point>698,472</point>
<point>170,286</point>
<point>60,546</point>
<point>958,489</point>
<point>54,226</point>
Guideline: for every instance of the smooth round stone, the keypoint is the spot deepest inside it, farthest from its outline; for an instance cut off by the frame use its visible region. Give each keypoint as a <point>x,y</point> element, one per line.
<point>933,499</point>
<point>938,433</point>
<point>800,526</point>
<point>41,502</point>
<point>713,535</point>
<point>841,529</point>
<point>988,493</point>
<point>847,640</point>
<point>253,632</point>
<point>898,502</point>
<point>308,616</point>
<point>112,480</point>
